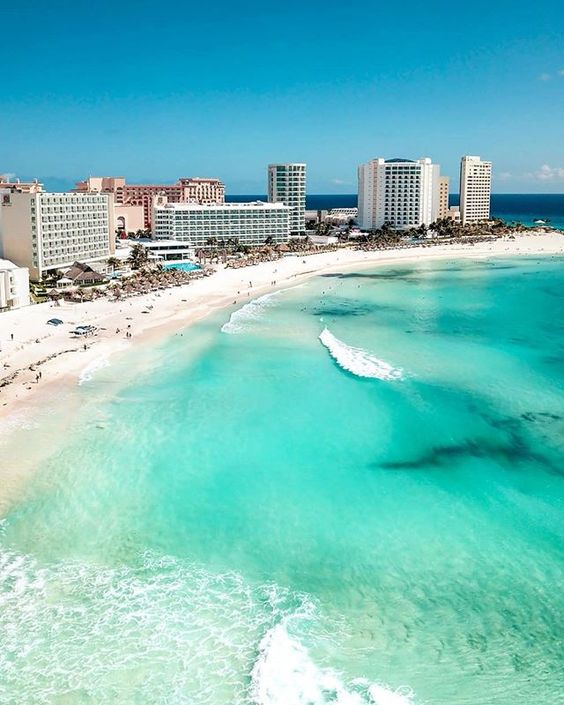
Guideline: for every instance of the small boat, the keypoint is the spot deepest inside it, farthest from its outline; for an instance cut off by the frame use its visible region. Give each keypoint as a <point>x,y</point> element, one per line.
<point>540,222</point>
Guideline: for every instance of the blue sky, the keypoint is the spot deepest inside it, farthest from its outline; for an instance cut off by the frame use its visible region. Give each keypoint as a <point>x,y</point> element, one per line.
<point>153,92</point>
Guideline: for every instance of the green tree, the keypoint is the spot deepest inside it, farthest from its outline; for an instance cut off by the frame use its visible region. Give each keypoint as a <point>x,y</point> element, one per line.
<point>114,262</point>
<point>138,257</point>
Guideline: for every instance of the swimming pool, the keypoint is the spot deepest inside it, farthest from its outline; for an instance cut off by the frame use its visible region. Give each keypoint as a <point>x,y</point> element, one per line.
<point>182,266</point>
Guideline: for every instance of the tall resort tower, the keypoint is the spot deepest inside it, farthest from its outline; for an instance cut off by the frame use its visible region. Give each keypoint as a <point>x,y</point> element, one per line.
<point>287,184</point>
<point>475,189</point>
<point>400,192</point>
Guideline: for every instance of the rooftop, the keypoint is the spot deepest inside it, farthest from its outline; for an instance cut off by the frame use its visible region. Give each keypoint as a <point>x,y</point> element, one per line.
<point>6,264</point>
<point>253,205</point>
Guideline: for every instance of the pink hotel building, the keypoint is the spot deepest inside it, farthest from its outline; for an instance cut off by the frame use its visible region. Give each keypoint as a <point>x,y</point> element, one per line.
<point>133,202</point>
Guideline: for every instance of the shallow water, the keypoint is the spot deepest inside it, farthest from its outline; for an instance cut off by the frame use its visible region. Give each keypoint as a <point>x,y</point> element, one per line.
<point>256,515</point>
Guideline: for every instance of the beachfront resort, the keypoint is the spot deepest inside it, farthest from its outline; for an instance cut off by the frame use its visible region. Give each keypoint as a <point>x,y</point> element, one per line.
<point>281,353</point>
<point>75,250</point>
<point>98,222</point>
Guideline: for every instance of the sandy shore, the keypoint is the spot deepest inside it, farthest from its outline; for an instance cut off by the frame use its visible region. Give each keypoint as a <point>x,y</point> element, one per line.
<point>28,346</point>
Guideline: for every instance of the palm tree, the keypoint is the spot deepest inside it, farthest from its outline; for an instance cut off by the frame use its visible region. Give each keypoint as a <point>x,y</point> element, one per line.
<point>421,231</point>
<point>138,257</point>
<point>114,263</point>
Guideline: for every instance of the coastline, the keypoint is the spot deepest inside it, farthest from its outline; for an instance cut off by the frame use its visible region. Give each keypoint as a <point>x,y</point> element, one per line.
<point>166,488</point>
<point>38,347</point>
<point>172,310</point>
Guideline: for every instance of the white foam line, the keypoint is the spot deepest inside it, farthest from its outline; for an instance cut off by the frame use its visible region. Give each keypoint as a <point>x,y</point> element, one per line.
<point>90,370</point>
<point>284,673</point>
<point>248,313</point>
<point>356,360</point>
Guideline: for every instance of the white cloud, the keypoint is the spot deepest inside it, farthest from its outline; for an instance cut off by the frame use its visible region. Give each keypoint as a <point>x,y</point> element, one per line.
<point>340,182</point>
<point>504,176</point>
<point>548,76</point>
<point>549,173</point>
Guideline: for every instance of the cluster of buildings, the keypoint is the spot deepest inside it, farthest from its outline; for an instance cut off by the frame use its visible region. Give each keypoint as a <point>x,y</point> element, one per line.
<point>405,194</point>
<point>133,203</point>
<point>44,233</point>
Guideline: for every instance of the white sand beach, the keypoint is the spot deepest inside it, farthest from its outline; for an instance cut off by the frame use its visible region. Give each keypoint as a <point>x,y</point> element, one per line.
<point>28,346</point>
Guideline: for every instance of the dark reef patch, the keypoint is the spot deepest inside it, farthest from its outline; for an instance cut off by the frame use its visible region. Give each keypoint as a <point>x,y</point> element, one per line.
<point>512,452</point>
<point>348,307</point>
<point>541,416</point>
<point>399,274</point>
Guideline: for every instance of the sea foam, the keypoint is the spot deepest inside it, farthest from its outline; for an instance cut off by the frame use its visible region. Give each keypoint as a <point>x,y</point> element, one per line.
<point>356,360</point>
<point>89,371</point>
<point>284,673</point>
<point>250,312</point>
<point>188,632</point>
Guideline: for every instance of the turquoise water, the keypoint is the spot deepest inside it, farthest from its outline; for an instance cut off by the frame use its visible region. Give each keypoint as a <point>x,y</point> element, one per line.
<point>182,266</point>
<point>249,514</point>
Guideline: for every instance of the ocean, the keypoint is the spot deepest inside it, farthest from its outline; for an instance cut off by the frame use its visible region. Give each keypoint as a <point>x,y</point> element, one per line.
<point>513,208</point>
<point>349,491</point>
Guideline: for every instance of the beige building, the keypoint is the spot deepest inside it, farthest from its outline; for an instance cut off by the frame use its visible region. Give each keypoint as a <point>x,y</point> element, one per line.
<point>14,285</point>
<point>443,197</point>
<point>135,200</point>
<point>129,219</point>
<point>49,231</point>
<point>23,186</point>
<point>475,189</point>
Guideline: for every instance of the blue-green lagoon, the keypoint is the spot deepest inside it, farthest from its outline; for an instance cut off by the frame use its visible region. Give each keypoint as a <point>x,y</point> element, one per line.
<point>247,513</point>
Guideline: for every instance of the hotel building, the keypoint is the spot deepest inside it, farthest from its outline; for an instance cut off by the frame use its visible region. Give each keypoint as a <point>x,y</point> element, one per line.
<point>49,231</point>
<point>133,202</point>
<point>248,223</point>
<point>443,197</point>
<point>17,185</point>
<point>475,189</point>
<point>14,285</point>
<point>287,184</point>
<point>400,192</point>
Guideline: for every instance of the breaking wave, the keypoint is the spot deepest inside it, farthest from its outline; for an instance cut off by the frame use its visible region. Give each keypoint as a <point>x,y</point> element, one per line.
<point>90,370</point>
<point>285,674</point>
<point>356,360</point>
<point>248,313</point>
<point>159,630</point>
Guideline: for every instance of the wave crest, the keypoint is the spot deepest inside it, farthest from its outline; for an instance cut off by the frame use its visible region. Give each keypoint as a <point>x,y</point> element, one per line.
<point>284,673</point>
<point>357,361</point>
<point>89,371</point>
<point>250,312</point>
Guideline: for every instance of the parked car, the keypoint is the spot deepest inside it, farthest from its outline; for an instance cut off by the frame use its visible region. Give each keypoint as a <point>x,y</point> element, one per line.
<point>54,322</point>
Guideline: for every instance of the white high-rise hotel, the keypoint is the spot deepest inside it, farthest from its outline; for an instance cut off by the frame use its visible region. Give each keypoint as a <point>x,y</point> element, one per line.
<point>475,189</point>
<point>250,224</point>
<point>400,192</point>
<point>49,231</point>
<point>287,184</point>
